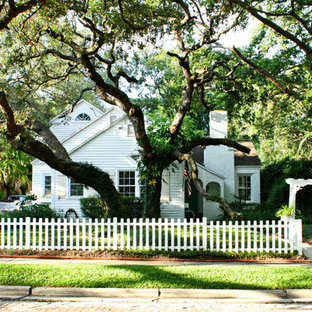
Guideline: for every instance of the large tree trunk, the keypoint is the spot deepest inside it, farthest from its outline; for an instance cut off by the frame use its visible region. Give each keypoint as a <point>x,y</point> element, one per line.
<point>152,200</point>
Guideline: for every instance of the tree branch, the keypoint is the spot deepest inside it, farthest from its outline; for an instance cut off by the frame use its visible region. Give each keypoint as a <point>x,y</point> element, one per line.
<point>264,72</point>
<point>223,204</point>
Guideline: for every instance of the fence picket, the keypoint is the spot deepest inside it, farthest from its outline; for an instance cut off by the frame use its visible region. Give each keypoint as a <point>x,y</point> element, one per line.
<point>128,233</point>
<point>236,236</point>
<point>286,236</point>
<point>267,234</point>
<point>58,234</point>
<point>248,236</point>
<point>223,236</point>
<point>52,234</point>
<point>243,236</point>
<point>77,234</point>
<point>3,233</point>
<point>102,234</point>
<point>90,234</point>
<point>140,233</point>
<point>230,236</point>
<point>147,224</point>
<point>108,233</point>
<point>255,236</point>
<point>174,234</point>
<point>218,236</point>
<point>179,234</point>
<point>122,233</point>
<point>279,225</point>
<point>14,233</point>
<point>8,246</point>
<point>83,230</point>
<point>204,221</point>
<point>184,234</point>
<point>211,230</point>
<point>159,234</point>
<point>261,236</point>
<point>71,234</point>
<point>34,236</point>
<point>153,234</point>
<point>166,234</point>
<point>46,238</point>
<point>273,235</point>
<point>191,234</point>
<point>40,246</point>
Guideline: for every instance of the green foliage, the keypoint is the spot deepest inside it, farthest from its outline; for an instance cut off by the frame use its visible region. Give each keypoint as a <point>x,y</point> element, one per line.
<point>250,212</point>
<point>285,211</point>
<point>93,207</point>
<point>135,206</point>
<point>33,211</point>
<point>15,169</point>
<point>275,191</point>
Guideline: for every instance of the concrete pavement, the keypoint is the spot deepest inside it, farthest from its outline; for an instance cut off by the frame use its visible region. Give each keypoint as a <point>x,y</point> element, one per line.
<point>72,294</point>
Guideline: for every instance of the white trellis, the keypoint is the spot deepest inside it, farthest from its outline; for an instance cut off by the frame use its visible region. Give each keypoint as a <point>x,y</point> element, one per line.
<point>296,185</point>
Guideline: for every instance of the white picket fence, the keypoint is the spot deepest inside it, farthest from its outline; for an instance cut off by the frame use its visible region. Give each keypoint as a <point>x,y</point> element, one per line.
<point>166,234</point>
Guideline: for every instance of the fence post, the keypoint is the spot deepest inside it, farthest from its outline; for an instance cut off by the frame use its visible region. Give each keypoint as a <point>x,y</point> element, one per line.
<point>295,233</point>
<point>27,228</point>
<point>115,237</point>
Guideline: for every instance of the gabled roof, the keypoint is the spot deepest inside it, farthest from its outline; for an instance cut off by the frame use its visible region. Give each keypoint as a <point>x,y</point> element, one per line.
<point>251,159</point>
<point>87,125</point>
<point>97,134</point>
<point>211,171</point>
<point>66,111</point>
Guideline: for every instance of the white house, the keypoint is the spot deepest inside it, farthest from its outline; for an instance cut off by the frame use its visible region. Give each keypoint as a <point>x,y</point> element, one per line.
<point>106,139</point>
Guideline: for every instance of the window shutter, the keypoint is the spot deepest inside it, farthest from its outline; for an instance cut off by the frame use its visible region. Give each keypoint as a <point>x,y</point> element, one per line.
<point>165,187</point>
<point>61,186</point>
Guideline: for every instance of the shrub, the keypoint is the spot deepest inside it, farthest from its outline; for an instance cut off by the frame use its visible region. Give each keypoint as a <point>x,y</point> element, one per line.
<point>93,207</point>
<point>275,191</point>
<point>33,211</point>
<point>135,206</point>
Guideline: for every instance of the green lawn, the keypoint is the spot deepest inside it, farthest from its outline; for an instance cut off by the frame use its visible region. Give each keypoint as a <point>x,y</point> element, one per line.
<point>307,232</point>
<point>146,276</point>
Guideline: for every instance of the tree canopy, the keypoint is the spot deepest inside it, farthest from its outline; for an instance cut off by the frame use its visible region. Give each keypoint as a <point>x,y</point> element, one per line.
<point>168,52</point>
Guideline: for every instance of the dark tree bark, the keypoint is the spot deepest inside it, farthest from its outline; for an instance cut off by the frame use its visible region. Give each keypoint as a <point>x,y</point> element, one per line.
<point>53,154</point>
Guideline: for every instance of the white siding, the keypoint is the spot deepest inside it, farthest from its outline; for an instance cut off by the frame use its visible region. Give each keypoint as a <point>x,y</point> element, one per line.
<point>175,207</point>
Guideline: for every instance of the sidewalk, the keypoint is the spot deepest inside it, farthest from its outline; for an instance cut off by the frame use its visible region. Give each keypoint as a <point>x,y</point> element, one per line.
<point>70,294</point>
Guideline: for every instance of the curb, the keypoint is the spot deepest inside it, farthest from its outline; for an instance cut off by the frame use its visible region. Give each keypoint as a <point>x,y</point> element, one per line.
<point>129,294</point>
<point>155,260</point>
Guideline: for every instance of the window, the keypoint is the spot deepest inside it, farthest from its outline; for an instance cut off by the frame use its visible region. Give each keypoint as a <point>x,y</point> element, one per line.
<point>76,189</point>
<point>47,186</point>
<point>130,130</point>
<point>83,117</point>
<point>112,119</point>
<point>244,187</point>
<point>126,183</point>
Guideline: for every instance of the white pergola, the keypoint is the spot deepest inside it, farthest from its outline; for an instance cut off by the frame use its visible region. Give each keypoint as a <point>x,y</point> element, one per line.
<point>296,185</point>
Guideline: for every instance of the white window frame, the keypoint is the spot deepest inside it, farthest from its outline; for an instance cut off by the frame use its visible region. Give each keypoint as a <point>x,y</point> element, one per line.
<point>83,119</point>
<point>128,132</point>
<point>110,119</point>
<point>44,185</point>
<point>240,175</point>
<point>69,189</point>
<point>136,187</point>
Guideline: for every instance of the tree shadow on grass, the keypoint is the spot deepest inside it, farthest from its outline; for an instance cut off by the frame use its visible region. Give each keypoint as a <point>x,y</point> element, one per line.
<point>161,277</point>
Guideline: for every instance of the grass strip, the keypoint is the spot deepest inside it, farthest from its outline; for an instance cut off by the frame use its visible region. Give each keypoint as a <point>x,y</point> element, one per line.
<point>146,276</point>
